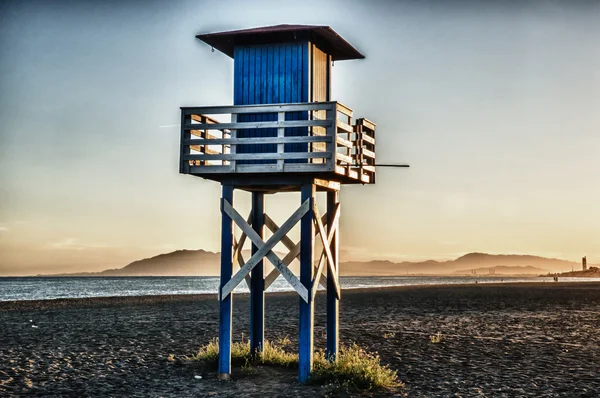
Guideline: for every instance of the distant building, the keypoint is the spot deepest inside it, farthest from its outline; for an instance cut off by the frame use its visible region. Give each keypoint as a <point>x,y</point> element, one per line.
<point>584,263</point>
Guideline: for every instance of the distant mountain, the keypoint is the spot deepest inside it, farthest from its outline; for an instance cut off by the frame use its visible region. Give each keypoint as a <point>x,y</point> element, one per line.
<point>206,263</point>
<point>389,268</point>
<point>503,270</point>
<point>177,263</point>
<point>466,262</point>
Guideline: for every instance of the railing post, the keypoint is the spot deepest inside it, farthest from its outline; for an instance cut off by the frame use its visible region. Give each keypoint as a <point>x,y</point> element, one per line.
<point>280,147</point>
<point>232,147</point>
<point>358,156</point>
<point>184,165</point>
<point>202,148</point>
<point>305,338</point>
<point>331,115</point>
<point>349,135</point>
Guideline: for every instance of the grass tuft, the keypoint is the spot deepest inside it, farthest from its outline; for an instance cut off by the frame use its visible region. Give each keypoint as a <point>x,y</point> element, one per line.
<point>436,338</point>
<point>209,354</point>
<point>355,368</point>
<point>274,355</point>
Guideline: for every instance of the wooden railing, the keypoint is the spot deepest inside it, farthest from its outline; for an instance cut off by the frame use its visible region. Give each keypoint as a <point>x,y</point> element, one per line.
<point>324,137</point>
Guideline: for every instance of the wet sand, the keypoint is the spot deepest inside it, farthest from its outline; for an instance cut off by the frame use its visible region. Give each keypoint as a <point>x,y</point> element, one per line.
<point>534,339</point>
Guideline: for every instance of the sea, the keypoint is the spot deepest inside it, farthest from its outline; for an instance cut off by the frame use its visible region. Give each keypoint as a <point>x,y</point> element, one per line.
<point>48,288</point>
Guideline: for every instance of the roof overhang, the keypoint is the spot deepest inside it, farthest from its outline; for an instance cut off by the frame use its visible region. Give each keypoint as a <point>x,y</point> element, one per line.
<point>325,37</point>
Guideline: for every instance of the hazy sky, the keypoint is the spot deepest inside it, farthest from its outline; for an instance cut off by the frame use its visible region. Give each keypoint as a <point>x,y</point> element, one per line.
<point>495,105</point>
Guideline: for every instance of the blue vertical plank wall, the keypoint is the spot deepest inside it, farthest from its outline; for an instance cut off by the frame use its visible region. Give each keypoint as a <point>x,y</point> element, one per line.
<point>271,74</point>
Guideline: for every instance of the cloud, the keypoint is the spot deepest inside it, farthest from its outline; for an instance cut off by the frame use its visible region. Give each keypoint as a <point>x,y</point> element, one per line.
<point>68,243</point>
<point>3,229</point>
<point>74,244</point>
<point>164,246</point>
<point>448,243</point>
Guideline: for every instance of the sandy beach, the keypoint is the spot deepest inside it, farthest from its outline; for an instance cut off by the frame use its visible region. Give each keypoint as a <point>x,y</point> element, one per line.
<point>497,340</point>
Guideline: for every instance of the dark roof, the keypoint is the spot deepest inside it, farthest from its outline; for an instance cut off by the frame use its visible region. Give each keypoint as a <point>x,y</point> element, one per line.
<point>323,36</point>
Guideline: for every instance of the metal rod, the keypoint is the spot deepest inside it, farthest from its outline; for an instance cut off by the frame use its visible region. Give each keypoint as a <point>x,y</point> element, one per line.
<point>392,165</point>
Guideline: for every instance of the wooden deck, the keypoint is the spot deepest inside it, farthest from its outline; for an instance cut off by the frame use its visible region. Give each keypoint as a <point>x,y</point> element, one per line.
<point>337,149</point>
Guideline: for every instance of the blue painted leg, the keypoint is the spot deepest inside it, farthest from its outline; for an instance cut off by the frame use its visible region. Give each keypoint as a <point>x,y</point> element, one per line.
<point>257,280</point>
<point>332,300</point>
<point>305,339</point>
<point>226,305</point>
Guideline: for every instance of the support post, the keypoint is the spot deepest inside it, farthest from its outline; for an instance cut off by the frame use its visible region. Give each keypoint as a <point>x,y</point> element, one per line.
<point>184,165</point>
<point>257,280</point>
<point>305,338</point>
<point>332,300</point>
<point>225,305</point>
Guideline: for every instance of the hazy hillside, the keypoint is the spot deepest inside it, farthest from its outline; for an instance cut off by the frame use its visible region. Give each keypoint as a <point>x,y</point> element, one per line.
<point>466,262</point>
<point>503,270</point>
<point>180,262</point>
<point>205,263</point>
<point>177,263</point>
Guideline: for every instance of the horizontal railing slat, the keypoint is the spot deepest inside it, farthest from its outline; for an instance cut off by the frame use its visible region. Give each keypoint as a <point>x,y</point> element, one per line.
<point>367,123</point>
<point>262,168</point>
<point>199,133</point>
<point>344,158</point>
<point>367,153</point>
<point>258,125</point>
<point>257,140</point>
<point>206,151</point>
<point>368,139</point>
<point>345,126</point>
<point>198,118</point>
<point>274,108</point>
<point>344,142</point>
<point>261,156</point>
<point>344,109</point>
<point>368,168</point>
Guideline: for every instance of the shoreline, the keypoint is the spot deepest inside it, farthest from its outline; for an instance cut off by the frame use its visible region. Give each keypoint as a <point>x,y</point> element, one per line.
<point>68,302</point>
<point>532,276</point>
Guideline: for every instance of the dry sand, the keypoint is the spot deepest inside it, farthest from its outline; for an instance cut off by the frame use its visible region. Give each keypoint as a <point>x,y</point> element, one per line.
<point>497,340</point>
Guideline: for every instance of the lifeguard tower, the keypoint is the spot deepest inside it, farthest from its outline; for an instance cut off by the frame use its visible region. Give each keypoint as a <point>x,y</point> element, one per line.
<point>283,133</point>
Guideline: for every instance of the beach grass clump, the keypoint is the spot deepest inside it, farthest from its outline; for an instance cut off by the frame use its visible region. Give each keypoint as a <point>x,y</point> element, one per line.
<point>209,354</point>
<point>436,338</point>
<point>275,355</point>
<point>354,369</point>
<point>272,354</point>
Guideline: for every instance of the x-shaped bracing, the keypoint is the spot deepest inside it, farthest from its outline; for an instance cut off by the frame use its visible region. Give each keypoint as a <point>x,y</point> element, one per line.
<point>294,252</point>
<point>331,263</point>
<point>265,249</point>
<point>237,251</point>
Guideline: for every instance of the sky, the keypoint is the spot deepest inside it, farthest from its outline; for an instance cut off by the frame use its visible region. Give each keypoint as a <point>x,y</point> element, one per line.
<point>495,105</point>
